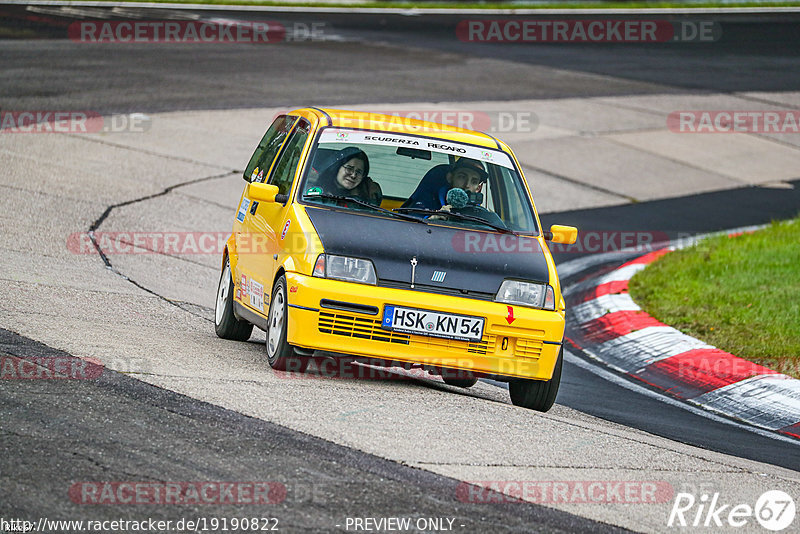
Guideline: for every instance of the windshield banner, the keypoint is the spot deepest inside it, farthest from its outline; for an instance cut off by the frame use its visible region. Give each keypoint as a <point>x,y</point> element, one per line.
<point>337,135</point>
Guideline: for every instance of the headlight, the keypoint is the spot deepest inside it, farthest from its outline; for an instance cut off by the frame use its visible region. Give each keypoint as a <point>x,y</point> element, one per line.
<point>528,294</point>
<point>345,268</point>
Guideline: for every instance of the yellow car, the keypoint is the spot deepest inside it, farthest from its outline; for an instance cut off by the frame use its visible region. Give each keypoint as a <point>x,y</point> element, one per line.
<point>397,240</point>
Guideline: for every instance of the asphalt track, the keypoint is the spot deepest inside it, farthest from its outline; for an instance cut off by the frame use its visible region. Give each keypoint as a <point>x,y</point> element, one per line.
<point>353,65</point>
<point>165,436</point>
<point>54,74</point>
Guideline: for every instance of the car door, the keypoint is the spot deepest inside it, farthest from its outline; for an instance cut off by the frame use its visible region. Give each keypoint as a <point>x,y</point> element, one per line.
<point>251,242</point>
<point>269,222</point>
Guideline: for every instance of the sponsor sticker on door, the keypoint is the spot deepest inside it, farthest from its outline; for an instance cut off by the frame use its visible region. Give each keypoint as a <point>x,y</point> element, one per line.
<point>256,295</point>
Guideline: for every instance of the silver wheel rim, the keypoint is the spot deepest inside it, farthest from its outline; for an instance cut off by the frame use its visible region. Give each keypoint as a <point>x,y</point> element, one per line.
<point>275,324</point>
<point>222,293</point>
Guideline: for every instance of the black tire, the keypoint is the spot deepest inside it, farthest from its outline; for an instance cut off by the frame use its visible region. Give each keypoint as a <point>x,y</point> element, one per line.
<point>459,379</point>
<point>226,325</point>
<point>537,395</point>
<point>280,354</point>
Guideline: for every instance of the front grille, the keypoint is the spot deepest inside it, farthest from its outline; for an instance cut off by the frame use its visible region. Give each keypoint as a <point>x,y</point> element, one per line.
<point>343,324</point>
<point>528,348</point>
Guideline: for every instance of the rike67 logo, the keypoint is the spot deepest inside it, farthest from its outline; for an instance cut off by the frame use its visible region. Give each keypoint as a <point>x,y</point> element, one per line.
<point>774,510</point>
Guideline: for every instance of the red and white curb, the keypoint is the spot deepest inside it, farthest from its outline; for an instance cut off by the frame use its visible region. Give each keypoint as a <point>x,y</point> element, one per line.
<point>607,325</point>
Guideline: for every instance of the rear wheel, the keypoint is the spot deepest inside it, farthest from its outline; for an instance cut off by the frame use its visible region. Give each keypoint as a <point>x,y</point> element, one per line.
<point>226,324</point>
<point>537,394</point>
<point>280,354</point>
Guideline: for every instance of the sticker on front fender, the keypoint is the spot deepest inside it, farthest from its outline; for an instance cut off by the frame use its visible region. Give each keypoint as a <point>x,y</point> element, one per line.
<point>242,213</point>
<point>431,323</point>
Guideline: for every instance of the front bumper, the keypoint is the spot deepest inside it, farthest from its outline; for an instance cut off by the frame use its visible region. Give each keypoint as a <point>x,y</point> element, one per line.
<point>527,348</point>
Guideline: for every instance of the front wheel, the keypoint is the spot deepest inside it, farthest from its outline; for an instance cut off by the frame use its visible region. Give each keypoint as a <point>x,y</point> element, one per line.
<point>226,325</point>
<point>280,354</point>
<point>537,395</point>
<point>457,378</point>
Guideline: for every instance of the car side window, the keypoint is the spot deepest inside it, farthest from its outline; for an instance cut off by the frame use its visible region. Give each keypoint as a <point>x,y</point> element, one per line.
<point>286,167</point>
<point>261,160</point>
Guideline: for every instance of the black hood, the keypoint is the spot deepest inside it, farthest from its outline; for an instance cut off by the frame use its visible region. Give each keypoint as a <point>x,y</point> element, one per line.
<point>473,260</point>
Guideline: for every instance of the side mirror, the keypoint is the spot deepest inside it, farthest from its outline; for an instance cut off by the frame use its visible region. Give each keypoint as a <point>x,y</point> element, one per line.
<point>262,192</point>
<point>562,234</point>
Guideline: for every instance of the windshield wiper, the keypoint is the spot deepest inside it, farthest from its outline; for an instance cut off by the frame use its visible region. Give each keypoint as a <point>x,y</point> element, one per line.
<point>461,216</point>
<point>365,204</point>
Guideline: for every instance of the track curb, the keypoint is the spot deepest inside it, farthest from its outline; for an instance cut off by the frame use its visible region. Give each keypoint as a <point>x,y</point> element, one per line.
<point>605,324</point>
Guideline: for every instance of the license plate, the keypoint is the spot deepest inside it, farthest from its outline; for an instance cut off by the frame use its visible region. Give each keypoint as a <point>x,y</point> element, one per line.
<point>431,323</point>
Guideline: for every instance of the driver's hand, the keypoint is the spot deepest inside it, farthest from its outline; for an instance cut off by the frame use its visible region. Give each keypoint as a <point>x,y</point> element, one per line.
<point>446,207</point>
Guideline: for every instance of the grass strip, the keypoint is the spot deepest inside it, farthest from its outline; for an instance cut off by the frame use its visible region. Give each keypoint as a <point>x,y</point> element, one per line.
<point>739,294</point>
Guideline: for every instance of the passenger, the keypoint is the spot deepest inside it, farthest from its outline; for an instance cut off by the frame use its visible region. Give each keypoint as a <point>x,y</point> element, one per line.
<point>348,175</point>
<point>468,175</point>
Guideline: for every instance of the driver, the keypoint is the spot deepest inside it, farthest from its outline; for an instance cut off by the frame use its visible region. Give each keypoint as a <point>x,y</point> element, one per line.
<point>468,175</point>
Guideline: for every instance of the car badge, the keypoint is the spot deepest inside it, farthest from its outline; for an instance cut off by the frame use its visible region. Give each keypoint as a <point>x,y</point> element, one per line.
<point>438,276</point>
<point>413,270</point>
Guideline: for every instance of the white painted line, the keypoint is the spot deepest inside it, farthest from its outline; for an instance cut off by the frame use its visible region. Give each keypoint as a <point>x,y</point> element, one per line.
<point>572,267</point>
<point>600,306</point>
<point>618,275</point>
<point>632,352</point>
<point>769,401</point>
<point>632,386</point>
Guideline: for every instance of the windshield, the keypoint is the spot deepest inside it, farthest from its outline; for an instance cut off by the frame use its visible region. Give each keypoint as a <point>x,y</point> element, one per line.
<point>434,181</point>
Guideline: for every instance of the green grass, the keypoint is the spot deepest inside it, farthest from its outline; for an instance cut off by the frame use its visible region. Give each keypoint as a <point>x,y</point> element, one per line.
<point>459,5</point>
<point>740,294</point>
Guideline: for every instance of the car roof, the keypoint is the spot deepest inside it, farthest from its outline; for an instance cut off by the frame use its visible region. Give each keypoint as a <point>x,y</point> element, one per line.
<point>403,125</point>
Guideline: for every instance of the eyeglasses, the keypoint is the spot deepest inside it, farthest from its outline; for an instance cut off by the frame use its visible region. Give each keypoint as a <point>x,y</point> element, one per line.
<point>358,173</point>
